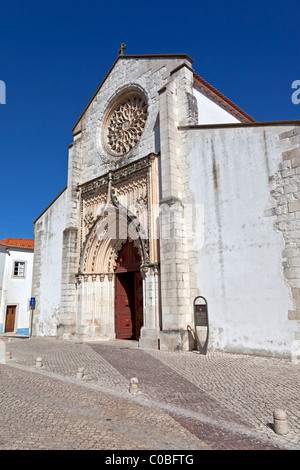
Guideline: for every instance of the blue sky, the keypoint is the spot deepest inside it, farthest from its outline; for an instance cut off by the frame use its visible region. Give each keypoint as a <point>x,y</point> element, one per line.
<point>54,55</point>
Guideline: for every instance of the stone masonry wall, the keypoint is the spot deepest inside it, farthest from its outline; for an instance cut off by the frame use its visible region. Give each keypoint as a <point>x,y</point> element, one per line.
<point>177,108</point>
<point>287,196</point>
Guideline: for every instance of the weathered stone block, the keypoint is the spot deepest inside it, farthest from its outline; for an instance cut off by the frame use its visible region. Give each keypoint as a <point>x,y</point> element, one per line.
<point>296,161</point>
<point>294,206</point>
<point>289,154</point>
<point>294,315</point>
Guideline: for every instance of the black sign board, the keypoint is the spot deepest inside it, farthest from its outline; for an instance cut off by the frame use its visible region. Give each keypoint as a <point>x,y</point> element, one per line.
<point>201,321</point>
<point>200,312</point>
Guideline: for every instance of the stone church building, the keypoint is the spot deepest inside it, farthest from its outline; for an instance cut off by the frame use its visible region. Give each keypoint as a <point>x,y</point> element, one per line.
<point>173,192</point>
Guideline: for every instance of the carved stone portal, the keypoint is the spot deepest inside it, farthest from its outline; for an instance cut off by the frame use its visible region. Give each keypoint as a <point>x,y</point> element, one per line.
<point>118,207</point>
<point>111,215</point>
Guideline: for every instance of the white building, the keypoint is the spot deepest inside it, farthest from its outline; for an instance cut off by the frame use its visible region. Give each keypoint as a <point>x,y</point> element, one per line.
<point>16,261</point>
<point>173,192</point>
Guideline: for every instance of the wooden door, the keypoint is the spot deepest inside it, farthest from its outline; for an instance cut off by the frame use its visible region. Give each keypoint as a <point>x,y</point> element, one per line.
<point>10,319</point>
<point>129,293</point>
<point>128,259</point>
<point>124,306</point>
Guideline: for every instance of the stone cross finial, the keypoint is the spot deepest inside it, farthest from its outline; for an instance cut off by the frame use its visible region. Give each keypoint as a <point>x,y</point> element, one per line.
<point>123,47</point>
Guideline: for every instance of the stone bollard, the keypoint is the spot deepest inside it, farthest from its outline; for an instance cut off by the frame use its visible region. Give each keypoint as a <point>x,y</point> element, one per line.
<point>79,374</point>
<point>280,422</point>
<point>133,388</point>
<point>39,363</point>
<point>8,355</point>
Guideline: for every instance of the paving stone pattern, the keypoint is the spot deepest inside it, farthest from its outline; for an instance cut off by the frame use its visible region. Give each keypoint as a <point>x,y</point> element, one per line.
<point>40,412</point>
<point>222,401</point>
<point>178,380</point>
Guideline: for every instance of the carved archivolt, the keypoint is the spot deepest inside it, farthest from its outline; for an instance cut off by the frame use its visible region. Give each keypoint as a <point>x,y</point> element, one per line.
<point>125,123</point>
<point>106,239</point>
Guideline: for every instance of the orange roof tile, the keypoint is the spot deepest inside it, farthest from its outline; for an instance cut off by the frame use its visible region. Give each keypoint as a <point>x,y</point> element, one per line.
<point>18,243</point>
<point>211,90</point>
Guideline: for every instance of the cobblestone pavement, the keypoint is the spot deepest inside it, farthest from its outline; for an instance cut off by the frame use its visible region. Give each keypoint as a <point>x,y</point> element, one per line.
<point>185,400</point>
<point>40,412</point>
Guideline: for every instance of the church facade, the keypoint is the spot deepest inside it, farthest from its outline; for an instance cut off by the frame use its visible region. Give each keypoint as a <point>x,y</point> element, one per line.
<point>173,192</point>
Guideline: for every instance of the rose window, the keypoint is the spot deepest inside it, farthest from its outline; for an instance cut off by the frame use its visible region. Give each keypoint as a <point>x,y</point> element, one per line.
<point>125,125</point>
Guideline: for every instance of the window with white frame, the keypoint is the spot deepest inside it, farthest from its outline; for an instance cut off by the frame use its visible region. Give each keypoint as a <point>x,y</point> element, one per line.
<point>19,268</point>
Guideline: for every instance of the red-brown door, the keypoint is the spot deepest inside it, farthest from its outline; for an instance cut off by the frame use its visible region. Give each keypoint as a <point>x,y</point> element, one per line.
<point>10,319</point>
<point>124,306</point>
<point>129,294</point>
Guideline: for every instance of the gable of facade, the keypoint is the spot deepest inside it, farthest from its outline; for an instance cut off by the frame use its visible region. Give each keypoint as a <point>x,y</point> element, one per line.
<point>170,195</point>
<point>16,262</point>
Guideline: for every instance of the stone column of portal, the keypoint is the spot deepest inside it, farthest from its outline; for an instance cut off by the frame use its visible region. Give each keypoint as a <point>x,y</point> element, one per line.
<point>151,303</point>
<point>67,320</point>
<point>81,306</point>
<point>95,307</point>
<point>150,331</point>
<point>176,298</point>
<point>106,305</point>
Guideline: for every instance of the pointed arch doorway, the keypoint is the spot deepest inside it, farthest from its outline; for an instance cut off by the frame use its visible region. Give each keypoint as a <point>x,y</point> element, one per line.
<point>128,293</point>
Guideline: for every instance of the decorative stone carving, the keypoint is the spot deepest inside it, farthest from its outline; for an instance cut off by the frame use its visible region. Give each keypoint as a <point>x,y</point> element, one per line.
<point>89,220</point>
<point>125,124</point>
<point>120,203</point>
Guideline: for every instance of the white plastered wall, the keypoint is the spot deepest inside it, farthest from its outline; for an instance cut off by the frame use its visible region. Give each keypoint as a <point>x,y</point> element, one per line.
<point>48,267</point>
<point>211,113</point>
<point>239,264</point>
<point>16,290</point>
<point>2,265</point>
